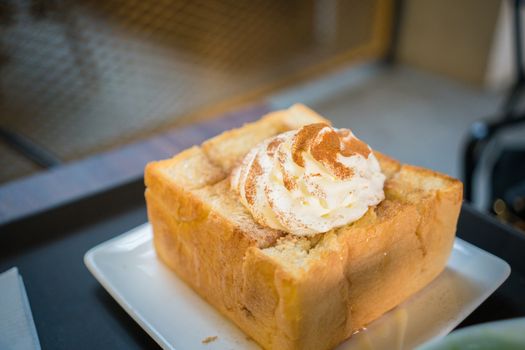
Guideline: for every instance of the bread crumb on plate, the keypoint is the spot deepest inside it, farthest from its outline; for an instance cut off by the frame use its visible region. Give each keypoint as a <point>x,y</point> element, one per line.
<point>208,340</point>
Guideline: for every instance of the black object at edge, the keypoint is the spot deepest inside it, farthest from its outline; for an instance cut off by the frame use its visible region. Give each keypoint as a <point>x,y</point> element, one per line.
<point>482,132</point>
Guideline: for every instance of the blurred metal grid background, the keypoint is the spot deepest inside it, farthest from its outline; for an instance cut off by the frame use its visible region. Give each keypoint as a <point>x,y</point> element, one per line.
<point>79,77</point>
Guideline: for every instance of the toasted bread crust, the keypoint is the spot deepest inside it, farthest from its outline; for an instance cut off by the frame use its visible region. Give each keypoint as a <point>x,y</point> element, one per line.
<point>283,295</point>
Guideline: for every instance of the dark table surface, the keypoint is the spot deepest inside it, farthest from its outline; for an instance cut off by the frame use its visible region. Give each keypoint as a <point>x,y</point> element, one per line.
<point>72,311</point>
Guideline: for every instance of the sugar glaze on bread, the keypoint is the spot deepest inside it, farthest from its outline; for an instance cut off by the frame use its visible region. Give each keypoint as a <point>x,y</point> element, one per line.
<point>287,292</point>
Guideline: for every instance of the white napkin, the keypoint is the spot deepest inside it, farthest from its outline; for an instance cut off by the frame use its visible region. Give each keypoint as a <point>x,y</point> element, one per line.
<point>17,329</point>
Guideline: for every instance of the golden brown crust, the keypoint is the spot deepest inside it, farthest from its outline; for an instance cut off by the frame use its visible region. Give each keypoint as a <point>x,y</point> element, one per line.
<point>228,148</point>
<point>289,293</point>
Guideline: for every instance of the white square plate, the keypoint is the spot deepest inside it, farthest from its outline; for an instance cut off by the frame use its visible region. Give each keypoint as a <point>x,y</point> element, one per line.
<point>177,318</point>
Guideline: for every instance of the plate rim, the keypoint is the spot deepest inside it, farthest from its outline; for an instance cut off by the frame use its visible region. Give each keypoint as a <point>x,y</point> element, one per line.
<point>507,270</point>
<point>92,266</point>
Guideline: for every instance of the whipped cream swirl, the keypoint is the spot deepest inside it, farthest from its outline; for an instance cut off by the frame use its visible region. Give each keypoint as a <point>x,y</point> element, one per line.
<point>310,180</point>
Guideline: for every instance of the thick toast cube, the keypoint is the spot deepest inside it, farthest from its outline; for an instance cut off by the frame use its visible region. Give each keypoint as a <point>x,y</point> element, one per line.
<point>287,292</point>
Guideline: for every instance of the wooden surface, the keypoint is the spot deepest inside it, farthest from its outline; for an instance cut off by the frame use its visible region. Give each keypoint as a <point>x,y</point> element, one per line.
<point>59,186</point>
